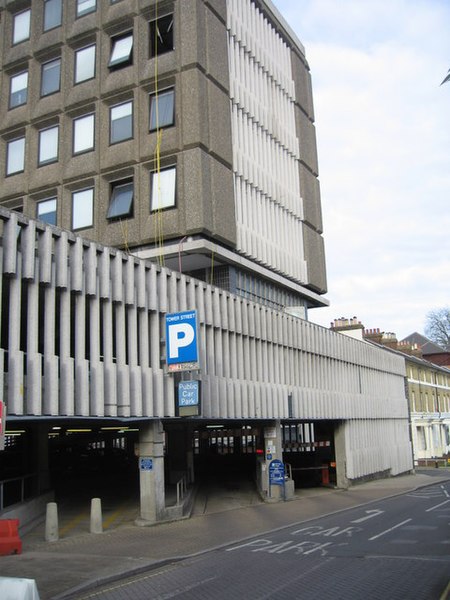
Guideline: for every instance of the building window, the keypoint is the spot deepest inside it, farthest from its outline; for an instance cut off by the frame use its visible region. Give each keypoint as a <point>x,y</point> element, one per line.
<point>15,156</point>
<point>85,7</point>
<point>121,204</point>
<point>162,109</point>
<point>83,134</point>
<point>121,51</point>
<point>52,14</point>
<point>83,209</point>
<point>21,26</point>
<point>48,145</point>
<point>51,76</point>
<point>18,89</point>
<point>163,188</point>
<point>46,211</point>
<point>161,35</point>
<point>85,64</point>
<point>121,122</point>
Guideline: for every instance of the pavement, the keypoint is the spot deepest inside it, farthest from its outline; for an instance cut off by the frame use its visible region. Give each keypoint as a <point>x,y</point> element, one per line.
<point>73,566</point>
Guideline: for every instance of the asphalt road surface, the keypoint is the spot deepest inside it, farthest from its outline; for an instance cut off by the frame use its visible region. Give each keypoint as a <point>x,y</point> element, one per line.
<point>396,548</point>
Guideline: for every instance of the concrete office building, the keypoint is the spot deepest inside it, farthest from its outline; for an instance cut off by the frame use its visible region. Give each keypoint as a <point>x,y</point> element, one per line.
<point>167,151</point>
<point>180,130</point>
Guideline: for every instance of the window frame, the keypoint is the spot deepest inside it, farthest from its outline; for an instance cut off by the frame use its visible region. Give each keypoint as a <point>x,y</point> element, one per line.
<point>126,58</point>
<point>55,211</point>
<point>54,157</point>
<point>27,35</point>
<point>86,11</point>
<point>113,139</point>
<point>75,120</point>
<point>173,188</point>
<point>11,79</point>
<point>59,6</point>
<point>8,155</point>
<point>162,47</point>
<point>90,223</point>
<point>155,99</point>
<point>114,200</point>
<point>76,55</point>
<point>43,78</point>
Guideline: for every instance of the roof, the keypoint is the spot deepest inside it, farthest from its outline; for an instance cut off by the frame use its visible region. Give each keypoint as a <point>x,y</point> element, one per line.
<point>426,345</point>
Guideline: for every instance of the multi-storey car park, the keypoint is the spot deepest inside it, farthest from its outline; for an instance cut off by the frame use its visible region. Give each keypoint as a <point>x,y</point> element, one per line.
<point>163,157</point>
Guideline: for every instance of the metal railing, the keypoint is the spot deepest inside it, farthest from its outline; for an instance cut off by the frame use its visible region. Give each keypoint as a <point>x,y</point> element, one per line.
<point>15,490</point>
<point>181,488</point>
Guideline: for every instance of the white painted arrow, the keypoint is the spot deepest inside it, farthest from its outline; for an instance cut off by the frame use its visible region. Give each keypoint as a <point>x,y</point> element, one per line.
<point>370,515</point>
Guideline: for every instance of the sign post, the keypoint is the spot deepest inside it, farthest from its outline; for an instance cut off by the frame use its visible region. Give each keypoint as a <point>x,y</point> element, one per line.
<point>188,397</point>
<point>276,476</point>
<point>182,341</point>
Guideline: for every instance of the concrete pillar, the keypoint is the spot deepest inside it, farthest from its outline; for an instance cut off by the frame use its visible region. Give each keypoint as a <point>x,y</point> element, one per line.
<point>151,473</point>
<point>341,453</point>
<point>181,455</point>
<point>51,523</point>
<point>41,458</point>
<point>273,450</point>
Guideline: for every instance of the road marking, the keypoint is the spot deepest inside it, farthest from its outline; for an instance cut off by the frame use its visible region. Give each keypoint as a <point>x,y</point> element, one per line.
<point>374,537</point>
<point>370,514</point>
<point>437,506</point>
<point>447,495</point>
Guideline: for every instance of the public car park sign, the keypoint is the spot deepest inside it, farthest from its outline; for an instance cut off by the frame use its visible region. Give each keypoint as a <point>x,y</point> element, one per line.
<point>182,341</point>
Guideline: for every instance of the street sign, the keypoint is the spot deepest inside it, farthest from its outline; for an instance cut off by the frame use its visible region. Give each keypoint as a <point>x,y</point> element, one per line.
<point>188,397</point>
<point>182,341</point>
<point>188,393</point>
<point>146,464</point>
<point>276,472</point>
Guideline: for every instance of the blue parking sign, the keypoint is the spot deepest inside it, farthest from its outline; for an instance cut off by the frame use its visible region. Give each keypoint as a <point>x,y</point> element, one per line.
<point>181,337</point>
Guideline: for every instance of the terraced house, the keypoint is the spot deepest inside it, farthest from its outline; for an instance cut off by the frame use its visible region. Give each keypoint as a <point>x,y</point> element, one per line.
<point>159,160</point>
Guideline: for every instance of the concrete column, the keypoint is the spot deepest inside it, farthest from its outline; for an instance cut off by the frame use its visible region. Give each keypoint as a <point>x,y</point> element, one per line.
<point>181,455</point>
<point>273,449</point>
<point>41,459</point>
<point>340,451</point>
<point>151,473</point>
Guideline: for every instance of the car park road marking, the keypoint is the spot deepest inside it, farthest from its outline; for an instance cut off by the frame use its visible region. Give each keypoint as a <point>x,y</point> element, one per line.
<point>374,537</point>
<point>370,514</point>
<point>437,506</point>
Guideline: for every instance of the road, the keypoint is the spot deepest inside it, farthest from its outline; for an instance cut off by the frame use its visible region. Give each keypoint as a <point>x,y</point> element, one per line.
<point>396,548</point>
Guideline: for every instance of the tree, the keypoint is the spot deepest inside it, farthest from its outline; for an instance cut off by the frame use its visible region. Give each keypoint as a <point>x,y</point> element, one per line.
<point>437,326</point>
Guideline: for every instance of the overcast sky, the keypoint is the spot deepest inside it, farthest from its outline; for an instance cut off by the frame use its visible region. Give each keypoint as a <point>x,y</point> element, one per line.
<point>383,134</point>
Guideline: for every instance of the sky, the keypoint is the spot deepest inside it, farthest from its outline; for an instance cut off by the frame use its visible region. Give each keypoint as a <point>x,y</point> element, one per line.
<point>383,135</point>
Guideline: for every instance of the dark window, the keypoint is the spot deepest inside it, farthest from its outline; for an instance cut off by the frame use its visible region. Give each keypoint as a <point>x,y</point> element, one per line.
<point>163,188</point>
<point>18,92</point>
<point>161,35</point>
<point>121,204</point>
<point>121,122</point>
<point>15,156</point>
<point>83,133</point>
<point>162,109</point>
<point>51,77</point>
<point>46,211</point>
<point>21,26</point>
<point>52,14</point>
<point>121,51</point>
<point>85,7</point>
<point>82,208</point>
<point>48,145</point>
<point>85,64</point>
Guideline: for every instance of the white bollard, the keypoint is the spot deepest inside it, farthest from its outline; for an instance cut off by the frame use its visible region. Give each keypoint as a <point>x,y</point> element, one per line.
<point>51,523</point>
<point>96,516</point>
